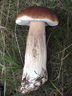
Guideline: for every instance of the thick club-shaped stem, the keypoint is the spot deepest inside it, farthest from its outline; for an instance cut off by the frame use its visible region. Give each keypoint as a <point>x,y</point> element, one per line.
<point>34,71</point>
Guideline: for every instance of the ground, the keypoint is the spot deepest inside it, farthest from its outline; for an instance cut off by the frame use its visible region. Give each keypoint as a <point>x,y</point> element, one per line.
<point>13,44</point>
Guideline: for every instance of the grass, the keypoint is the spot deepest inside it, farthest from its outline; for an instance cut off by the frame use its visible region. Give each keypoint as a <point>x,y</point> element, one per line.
<point>59,47</point>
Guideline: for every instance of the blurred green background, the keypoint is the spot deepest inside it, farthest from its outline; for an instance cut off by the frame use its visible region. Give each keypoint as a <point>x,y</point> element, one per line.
<point>59,48</point>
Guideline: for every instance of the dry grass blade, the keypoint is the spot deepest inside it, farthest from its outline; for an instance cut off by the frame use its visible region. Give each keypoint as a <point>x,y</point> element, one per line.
<point>16,35</point>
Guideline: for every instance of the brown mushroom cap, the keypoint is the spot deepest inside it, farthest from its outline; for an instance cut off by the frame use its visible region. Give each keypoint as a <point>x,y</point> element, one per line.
<point>37,14</point>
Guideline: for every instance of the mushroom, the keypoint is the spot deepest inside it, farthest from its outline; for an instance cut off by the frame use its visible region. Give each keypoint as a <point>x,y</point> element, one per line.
<point>35,71</point>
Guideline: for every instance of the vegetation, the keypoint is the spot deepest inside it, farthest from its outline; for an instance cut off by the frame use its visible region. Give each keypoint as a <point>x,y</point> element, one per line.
<point>59,48</point>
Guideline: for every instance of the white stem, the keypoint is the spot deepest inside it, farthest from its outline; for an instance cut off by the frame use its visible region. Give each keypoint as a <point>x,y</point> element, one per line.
<point>34,71</point>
